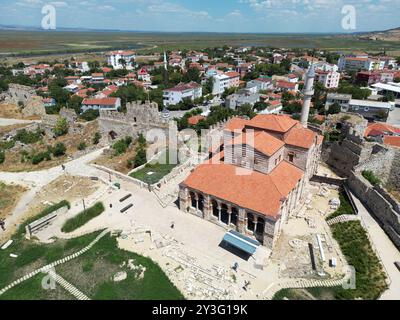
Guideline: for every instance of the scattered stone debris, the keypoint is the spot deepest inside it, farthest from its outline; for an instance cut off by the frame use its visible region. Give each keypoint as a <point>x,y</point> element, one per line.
<point>120,276</point>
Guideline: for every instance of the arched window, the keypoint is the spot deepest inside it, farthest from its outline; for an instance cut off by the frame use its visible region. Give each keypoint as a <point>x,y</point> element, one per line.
<point>250,222</point>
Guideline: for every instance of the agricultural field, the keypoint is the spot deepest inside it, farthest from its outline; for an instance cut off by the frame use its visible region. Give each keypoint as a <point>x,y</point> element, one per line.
<point>26,43</point>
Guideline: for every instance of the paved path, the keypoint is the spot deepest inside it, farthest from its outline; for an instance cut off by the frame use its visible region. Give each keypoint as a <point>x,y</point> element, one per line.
<point>386,249</point>
<point>8,122</point>
<point>38,179</point>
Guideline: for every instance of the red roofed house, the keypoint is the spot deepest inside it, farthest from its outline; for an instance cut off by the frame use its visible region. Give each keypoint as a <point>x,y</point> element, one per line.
<point>256,179</point>
<point>286,86</point>
<point>107,104</point>
<point>383,133</point>
<point>195,120</point>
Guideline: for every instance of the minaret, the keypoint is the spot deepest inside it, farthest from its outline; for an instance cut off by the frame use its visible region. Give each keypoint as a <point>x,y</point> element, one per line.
<point>308,94</point>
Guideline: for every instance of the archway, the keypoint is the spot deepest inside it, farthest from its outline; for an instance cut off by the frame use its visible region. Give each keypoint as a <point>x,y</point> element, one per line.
<point>250,222</point>
<point>224,214</point>
<point>234,216</point>
<point>215,208</point>
<point>193,201</point>
<point>113,135</point>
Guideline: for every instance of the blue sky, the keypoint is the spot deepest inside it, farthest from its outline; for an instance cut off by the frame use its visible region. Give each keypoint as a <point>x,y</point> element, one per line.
<point>206,15</point>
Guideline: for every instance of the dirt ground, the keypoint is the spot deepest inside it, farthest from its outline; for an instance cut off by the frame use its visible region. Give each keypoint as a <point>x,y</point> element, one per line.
<point>6,129</point>
<point>9,196</point>
<point>13,161</point>
<point>12,111</point>
<point>117,163</point>
<point>66,187</point>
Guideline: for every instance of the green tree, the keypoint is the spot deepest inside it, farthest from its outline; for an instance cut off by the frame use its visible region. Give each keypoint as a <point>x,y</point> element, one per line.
<point>75,102</point>
<point>2,156</point>
<point>246,110</point>
<point>140,157</point>
<point>81,146</point>
<point>61,127</point>
<point>334,108</point>
<point>96,138</point>
<point>192,74</point>
<point>59,149</point>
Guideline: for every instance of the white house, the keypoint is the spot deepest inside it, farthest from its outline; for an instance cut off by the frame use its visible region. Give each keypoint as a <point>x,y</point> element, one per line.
<point>108,104</point>
<point>225,81</point>
<point>329,79</point>
<point>261,84</point>
<point>121,59</point>
<point>176,94</point>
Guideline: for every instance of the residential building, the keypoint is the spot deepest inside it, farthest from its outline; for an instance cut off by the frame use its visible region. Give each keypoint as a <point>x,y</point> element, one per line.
<point>176,94</point>
<point>243,96</point>
<point>121,59</point>
<point>106,104</point>
<point>262,84</point>
<point>329,79</point>
<point>225,81</point>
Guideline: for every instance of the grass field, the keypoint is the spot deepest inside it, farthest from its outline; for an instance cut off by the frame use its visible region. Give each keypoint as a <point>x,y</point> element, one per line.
<point>91,272</point>
<point>41,42</point>
<point>83,217</point>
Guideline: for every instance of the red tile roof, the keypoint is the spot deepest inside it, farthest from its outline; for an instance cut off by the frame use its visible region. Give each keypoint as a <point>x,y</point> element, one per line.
<point>255,191</point>
<point>300,137</point>
<point>392,141</point>
<point>102,101</point>
<point>378,128</point>
<point>195,120</point>
<point>271,122</point>
<point>261,141</point>
<point>236,124</point>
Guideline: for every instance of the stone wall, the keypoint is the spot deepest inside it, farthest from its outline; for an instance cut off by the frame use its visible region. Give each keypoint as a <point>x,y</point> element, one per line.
<point>34,107</point>
<point>139,118</point>
<point>19,93</point>
<point>376,200</point>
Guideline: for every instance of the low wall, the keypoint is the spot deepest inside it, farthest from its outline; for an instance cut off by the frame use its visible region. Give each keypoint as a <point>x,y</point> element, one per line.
<point>327,180</point>
<point>375,199</point>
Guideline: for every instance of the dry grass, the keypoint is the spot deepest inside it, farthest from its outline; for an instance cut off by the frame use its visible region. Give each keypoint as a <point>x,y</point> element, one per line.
<point>13,162</point>
<point>117,163</point>
<point>9,197</point>
<point>66,187</point>
<point>10,111</point>
<point>6,129</point>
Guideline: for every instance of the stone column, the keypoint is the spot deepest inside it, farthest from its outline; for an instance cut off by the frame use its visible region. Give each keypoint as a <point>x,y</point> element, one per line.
<point>255,221</point>
<point>229,214</point>
<point>242,220</point>
<point>219,211</point>
<point>183,198</point>
<point>207,211</point>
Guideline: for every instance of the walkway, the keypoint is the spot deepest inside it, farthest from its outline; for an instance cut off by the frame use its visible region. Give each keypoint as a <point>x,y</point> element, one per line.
<point>48,268</point>
<point>388,253</point>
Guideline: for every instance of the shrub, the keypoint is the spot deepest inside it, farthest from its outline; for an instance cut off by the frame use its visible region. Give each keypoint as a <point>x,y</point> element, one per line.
<point>59,149</point>
<point>90,115</point>
<point>82,146</point>
<point>83,217</point>
<point>2,156</point>
<point>122,145</point>
<point>140,157</point>
<point>96,138</point>
<point>370,176</point>
<point>41,156</point>
<point>61,127</point>
<point>28,137</point>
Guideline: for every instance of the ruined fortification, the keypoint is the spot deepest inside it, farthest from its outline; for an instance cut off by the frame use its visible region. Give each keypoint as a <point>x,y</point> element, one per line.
<point>353,155</point>
<point>139,118</point>
<point>19,94</point>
